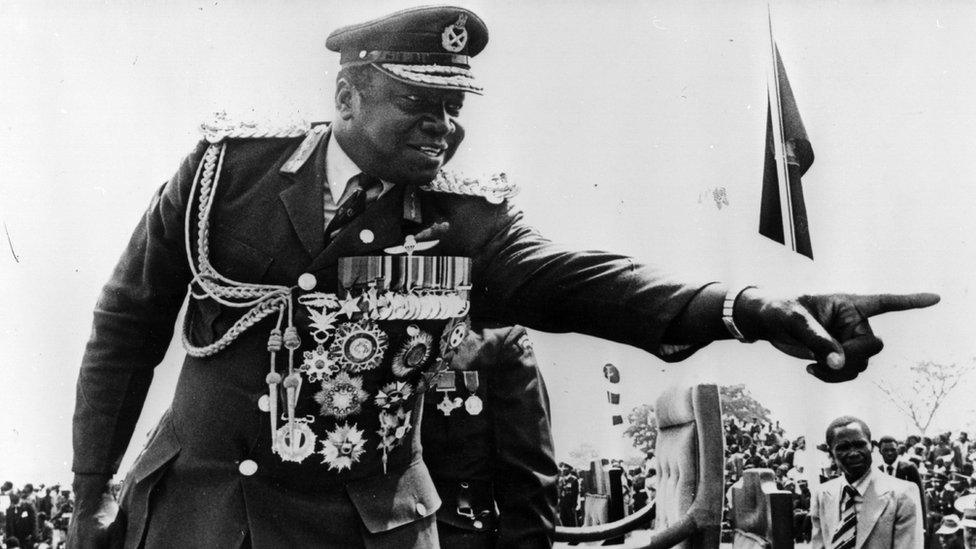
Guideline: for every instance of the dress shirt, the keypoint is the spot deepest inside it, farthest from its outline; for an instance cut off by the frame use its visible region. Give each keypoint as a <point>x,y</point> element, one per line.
<point>861,485</point>
<point>339,169</point>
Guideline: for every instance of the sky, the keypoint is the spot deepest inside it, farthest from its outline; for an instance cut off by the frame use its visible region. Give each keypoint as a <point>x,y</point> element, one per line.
<point>619,121</point>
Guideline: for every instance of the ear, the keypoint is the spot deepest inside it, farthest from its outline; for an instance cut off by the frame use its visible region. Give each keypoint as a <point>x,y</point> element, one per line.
<point>346,99</point>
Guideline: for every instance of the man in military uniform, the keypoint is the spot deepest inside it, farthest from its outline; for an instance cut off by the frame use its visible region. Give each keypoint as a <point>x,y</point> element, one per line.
<point>487,441</point>
<point>332,271</point>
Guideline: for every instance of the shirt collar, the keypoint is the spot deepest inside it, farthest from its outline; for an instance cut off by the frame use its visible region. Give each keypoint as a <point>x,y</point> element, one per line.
<point>339,169</point>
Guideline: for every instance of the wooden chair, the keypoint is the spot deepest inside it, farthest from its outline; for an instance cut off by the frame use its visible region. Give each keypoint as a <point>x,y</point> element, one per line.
<point>763,513</point>
<point>691,468</point>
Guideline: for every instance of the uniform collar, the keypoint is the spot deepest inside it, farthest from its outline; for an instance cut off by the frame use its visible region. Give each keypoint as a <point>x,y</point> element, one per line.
<point>333,165</point>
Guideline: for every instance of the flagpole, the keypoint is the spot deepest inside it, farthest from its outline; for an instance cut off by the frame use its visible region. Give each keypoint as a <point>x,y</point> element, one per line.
<point>779,143</point>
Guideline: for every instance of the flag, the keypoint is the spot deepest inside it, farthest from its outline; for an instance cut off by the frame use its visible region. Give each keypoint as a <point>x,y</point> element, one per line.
<point>782,194</point>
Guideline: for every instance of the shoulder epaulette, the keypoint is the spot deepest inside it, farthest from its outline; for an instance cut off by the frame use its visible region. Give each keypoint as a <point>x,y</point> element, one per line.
<point>222,127</point>
<point>495,188</point>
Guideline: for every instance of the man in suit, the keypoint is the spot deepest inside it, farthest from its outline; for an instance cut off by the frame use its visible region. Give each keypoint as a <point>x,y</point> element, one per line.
<point>863,507</point>
<point>332,272</point>
<point>21,521</point>
<point>487,441</point>
<point>904,470</point>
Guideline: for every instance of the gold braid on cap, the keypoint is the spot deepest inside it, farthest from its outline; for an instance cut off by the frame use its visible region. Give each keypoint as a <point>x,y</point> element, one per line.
<point>460,79</point>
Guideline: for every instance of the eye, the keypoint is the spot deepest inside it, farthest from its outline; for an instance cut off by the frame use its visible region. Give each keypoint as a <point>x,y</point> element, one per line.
<point>453,109</point>
<point>412,98</point>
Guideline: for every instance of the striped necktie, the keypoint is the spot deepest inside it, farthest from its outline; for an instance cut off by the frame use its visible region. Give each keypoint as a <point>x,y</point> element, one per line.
<point>846,534</point>
<point>362,190</point>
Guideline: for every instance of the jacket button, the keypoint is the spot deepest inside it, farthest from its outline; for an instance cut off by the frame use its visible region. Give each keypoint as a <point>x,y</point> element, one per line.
<point>421,509</point>
<point>264,403</point>
<point>307,282</point>
<point>248,467</point>
<point>366,236</point>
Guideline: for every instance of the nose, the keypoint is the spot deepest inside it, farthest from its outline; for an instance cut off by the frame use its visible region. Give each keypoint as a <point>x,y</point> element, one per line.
<point>438,122</point>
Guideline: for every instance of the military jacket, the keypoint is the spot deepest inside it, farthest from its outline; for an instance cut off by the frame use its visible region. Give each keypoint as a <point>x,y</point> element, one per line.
<point>264,225</point>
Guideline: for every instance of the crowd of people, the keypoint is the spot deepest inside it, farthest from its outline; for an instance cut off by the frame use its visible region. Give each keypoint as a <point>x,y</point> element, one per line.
<point>582,502</point>
<point>942,466</point>
<point>34,517</point>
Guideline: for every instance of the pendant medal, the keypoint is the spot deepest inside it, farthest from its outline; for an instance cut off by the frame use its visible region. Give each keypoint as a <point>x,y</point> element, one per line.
<point>393,394</point>
<point>341,396</point>
<point>414,353</point>
<point>447,406</point>
<point>295,443</point>
<point>473,405</point>
<point>343,447</point>
<point>446,382</point>
<point>321,322</point>
<point>317,365</point>
<point>359,346</point>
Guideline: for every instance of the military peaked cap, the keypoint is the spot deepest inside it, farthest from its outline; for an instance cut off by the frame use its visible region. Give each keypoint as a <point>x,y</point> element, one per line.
<point>429,46</point>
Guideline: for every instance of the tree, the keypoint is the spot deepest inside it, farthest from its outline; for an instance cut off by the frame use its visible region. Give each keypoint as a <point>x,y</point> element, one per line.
<point>583,455</point>
<point>642,428</point>
<point>739,403</point>
<point>931,384</point>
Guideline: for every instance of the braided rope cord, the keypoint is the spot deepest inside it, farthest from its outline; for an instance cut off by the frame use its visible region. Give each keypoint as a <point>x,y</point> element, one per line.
<point>263,299</point>
<point>216,132</point>
<point>497,187</point>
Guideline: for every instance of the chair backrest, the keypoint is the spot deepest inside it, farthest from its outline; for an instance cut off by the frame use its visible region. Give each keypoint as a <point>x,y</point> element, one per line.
<point>691,467</point>
<point>691,461</point>
<point>763,513</point>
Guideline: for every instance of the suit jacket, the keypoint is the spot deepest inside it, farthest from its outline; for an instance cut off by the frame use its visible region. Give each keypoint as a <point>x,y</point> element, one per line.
<point>266,227</point>
<point>890,515</point>
<point>907,471</point>
<point>503,455</point>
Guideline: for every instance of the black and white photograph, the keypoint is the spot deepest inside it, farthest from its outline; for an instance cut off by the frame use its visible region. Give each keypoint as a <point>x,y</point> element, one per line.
<point>488,274</point>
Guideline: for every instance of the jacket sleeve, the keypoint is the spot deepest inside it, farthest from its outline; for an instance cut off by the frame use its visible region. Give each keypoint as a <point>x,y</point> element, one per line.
<point>522,277</point>
<point>133,324</point>
<point>524,471</point>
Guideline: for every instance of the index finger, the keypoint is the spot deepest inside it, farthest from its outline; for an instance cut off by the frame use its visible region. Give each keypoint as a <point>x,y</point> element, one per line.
<point>871,305</point>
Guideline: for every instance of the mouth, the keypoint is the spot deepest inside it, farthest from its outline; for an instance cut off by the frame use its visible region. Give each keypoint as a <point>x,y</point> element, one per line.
<point>430,150</point>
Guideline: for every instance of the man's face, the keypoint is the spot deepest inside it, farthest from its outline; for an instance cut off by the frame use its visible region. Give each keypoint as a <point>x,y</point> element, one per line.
<point>889,452</point>
<point>401,133</point>
<point>851,449</point>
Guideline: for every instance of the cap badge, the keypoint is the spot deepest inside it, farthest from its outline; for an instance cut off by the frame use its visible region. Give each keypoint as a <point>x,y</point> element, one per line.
<point>455,36</point>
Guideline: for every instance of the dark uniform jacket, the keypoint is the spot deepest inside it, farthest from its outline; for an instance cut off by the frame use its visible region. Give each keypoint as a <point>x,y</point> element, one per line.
<point>266,226</point>
<point>495,470</point>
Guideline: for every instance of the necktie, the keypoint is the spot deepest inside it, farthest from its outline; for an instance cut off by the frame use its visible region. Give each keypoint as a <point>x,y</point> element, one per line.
<point>891,470</point>
<point>362,190</point>
<point>846,534</point>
